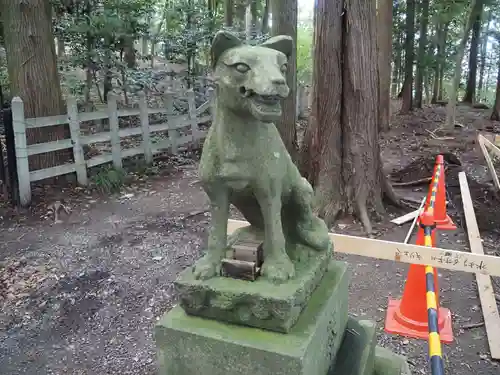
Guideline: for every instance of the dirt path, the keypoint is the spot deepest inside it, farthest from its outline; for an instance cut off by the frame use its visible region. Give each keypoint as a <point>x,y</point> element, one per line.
<point>82,297</point>
<point>87,292</point>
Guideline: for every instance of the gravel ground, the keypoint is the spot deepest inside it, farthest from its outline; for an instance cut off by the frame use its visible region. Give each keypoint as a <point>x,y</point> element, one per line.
<point>82,297</point>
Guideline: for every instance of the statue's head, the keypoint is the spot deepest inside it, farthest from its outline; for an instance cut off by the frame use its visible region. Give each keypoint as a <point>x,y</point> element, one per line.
<point>251,79</point>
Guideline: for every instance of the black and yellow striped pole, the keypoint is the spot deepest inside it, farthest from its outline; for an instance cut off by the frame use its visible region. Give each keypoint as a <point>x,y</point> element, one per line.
<point>435,353</point>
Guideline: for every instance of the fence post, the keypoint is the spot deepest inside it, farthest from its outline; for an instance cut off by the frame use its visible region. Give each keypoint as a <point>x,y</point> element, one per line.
<point>193,120</point>
<point>146,136</point>
<point>168,102</point>
<point>23,169</point>
<point>116,151</point>
<point>74,127</point>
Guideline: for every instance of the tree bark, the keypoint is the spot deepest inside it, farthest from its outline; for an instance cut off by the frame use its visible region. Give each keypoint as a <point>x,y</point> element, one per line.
<point>32,66</point>
<point>495,115</point>
<point>284,22</point>
<point>384,28</point>
<point>452,102</point>
<point>265,18</point>
<point>442,61</point>
<point>422,47</point>
<point>470,90</point>
<point>439,59</point>
<point>407,90</point>
<point>342,153</point>
<point>482,63</point>
<point>228,13</point>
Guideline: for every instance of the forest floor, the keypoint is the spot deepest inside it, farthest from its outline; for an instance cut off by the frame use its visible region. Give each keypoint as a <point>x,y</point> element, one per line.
<point>82,296</point>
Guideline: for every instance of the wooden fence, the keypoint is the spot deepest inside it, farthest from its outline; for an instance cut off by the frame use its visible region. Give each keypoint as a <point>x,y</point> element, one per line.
<point>174,124</point>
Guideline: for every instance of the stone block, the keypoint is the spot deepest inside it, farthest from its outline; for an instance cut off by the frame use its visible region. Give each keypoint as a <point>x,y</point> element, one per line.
<point>359,355</point>
<point>357,352</point>
<point>389,363</point>
<point>259,303</point>
<point>192,345</point>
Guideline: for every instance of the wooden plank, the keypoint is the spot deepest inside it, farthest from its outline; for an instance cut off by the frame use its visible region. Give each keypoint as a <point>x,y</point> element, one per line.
<point>114,130</point>
<point>405,218</point>
<point>41,148</point>
<point>23,169</point>
<point>193,120</point>
<point>486,295</point>
<point>173,134</point>
<point>93,116</point>
<point>146,133</point>
<point>42,174</point>
<point>202,108</point>
<point>482,140</point>
<point>98,160</point>
<point>41,122</point>
<point>406,253</point>
<point>100,115</point>
<point>74,127</point>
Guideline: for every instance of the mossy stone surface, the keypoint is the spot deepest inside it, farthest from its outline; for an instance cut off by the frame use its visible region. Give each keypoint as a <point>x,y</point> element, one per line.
<point>191,345</point>
<point>357,352</point>
<point>260,303</point>
<point>359,355</point>
<point>389,363</point>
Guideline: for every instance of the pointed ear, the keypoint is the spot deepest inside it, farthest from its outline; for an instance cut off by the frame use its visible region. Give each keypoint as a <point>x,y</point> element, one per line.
<point>282,43</point>
<point>223,41</point>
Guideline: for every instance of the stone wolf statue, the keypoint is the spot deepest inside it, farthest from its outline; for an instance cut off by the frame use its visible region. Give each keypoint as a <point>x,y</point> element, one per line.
<point>245,163</point>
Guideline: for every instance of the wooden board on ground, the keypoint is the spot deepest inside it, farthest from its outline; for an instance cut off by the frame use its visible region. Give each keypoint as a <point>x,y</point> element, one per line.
<point>405,218</point>
<point>486,144</point>
<point>486,295</point>
<point>406,253</point>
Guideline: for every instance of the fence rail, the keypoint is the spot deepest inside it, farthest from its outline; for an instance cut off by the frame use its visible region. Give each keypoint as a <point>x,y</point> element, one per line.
<point>174,123</point>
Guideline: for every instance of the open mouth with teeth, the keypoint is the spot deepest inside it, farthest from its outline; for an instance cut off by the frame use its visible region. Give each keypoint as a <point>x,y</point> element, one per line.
<point>263,105</point>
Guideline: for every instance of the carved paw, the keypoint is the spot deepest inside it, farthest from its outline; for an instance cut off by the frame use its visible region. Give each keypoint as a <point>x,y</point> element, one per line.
<point>315,234</point>
<point>206,268</point>
<point>278,269</point>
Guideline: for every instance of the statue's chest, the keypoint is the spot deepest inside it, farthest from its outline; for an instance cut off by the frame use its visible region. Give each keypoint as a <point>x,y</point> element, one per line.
<point>241,172</point>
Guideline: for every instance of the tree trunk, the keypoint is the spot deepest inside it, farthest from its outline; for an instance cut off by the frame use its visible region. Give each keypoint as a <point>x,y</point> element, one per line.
<point>482,63</point>
<point>452,101</point>
<point>228,13</point>
<point>470,90</point>
<point>398,62</point>
<point>32,66</point>
<point>284,22</point>
<point>495,115</point>
<point>438,61</point>
<point>265,18</point>
<point>384,23</point>
<point>442,61</point>
<point>422,48</point>
<point>407,90</point>
<point>342,153</point>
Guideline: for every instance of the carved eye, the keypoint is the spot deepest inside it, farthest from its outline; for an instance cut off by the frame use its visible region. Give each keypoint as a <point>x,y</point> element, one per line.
<point>242,68</point>
<point>284,68</point>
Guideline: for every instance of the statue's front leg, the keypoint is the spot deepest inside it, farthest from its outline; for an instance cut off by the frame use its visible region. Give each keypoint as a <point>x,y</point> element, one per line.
<point>277,265</point>
<point>209,265</point>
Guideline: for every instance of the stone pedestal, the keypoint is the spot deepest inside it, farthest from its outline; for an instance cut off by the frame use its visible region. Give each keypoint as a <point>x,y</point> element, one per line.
<point>191,345</point>
<point>324,341</point>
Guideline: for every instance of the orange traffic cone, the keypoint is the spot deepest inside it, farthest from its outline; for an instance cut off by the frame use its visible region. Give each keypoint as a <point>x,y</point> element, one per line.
<point>438,190</point>
<point>408,316</point>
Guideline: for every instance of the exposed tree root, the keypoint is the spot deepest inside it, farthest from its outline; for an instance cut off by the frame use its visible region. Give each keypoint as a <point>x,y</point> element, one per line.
<point>390,195</point>
<point>363,216</point>
<point>329,212</point>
